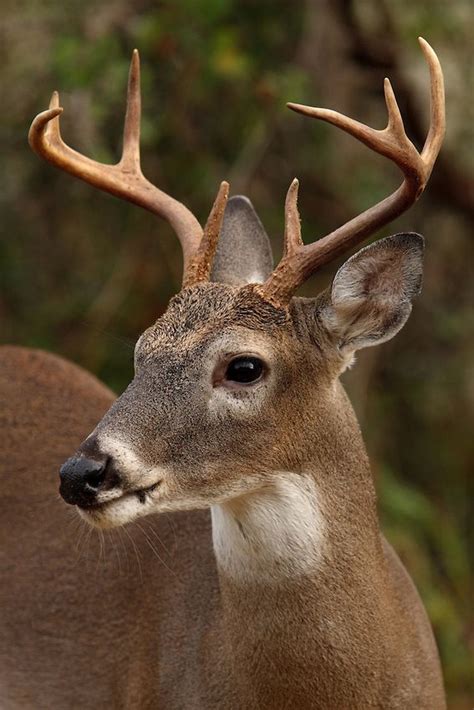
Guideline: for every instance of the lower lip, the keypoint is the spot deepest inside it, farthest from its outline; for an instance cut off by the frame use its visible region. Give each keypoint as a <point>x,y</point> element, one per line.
<point>141,495</point>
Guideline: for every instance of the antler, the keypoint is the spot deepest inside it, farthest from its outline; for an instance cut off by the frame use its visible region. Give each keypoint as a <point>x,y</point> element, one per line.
<point>126,180</point>
<point>299,261</point>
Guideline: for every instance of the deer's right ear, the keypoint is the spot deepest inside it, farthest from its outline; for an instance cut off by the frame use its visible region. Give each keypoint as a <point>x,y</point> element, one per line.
<point>370,297</point>
<point>244,253</point>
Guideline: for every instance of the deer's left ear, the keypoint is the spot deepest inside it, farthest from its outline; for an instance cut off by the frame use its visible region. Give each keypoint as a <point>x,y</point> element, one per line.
<point>370,298</point>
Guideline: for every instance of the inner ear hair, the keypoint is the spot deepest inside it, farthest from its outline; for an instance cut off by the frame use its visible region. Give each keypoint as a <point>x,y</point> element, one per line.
<point>371,295</point>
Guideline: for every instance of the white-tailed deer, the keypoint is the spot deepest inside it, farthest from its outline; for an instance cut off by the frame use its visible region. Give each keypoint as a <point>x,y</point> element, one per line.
<point>287,594</point>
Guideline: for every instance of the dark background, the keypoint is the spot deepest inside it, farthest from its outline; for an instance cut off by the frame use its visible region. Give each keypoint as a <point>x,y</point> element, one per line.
<point>82,274</point>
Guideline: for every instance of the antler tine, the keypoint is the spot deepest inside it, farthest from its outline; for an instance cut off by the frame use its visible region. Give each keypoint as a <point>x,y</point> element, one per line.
<point>200,267</point>
<point>292,239</point>
<point>125,179</point>
<point>392,142</point>
<point>437,129</point>
<point>131,131</point>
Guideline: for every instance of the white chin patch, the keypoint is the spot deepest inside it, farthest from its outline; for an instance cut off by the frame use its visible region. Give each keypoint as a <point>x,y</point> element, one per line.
<point>117,512</point>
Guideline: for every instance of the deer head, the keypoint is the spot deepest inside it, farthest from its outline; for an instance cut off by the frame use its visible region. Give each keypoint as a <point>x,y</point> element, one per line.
<point>238,380</point>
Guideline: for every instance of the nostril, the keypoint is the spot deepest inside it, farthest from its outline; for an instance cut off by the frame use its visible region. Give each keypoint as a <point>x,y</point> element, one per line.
<point>95,478</point>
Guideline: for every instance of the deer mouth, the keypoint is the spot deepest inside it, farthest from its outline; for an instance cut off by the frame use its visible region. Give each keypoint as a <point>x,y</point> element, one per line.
<point>141,494</point>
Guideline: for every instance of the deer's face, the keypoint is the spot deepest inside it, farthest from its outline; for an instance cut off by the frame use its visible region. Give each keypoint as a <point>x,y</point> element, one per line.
<point>229,389</point>
<point>206,415</point>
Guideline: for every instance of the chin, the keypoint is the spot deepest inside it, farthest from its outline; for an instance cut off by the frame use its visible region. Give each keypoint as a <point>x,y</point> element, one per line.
<point>115,513</point>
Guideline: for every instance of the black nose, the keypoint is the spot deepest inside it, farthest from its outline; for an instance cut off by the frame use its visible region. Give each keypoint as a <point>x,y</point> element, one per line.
<point>81,480</point>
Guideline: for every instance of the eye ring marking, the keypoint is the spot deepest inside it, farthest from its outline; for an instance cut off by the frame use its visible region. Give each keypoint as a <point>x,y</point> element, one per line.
<point>240,371</point>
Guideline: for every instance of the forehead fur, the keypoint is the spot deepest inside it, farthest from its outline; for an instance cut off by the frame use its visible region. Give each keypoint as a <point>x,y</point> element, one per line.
<point>210,307</point>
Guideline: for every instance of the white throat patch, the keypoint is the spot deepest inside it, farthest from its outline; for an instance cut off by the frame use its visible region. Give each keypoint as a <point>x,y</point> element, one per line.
<point>275,532</point>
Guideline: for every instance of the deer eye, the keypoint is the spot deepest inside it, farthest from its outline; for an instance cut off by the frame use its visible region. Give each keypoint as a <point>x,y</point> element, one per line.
<point>244,369</point>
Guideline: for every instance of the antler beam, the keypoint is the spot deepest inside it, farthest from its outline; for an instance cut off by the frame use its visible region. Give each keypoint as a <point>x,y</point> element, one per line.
<point>125,179</point>
<point>299,260</point>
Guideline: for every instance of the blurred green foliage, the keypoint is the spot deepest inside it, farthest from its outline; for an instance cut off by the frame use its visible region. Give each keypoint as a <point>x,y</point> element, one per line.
<point>83,274</point>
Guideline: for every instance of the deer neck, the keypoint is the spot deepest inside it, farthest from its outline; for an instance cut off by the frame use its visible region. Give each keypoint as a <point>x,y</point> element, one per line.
<point>299,520</point>
<point>291,529</point>
<point>291,556</point>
